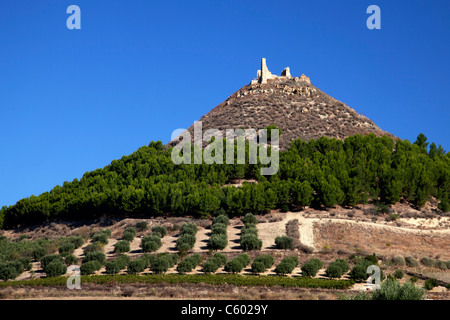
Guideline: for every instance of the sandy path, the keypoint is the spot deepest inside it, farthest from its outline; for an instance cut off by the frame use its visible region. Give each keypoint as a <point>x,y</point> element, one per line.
<point>267,232</point>
<point>109,248</point>
<point>234,235</point>
<point>169,243</point>
<point>306,229</point>
<point>135,248</point>
<point>202,238</point>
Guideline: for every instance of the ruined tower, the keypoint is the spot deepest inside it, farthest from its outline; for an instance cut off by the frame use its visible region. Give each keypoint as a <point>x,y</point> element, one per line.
<point>263,75</point>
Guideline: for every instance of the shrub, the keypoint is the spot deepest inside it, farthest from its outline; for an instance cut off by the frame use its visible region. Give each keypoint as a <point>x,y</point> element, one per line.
<point>249,218</point>
<point>267,260</point>
<point>55,268</point>
<point>123,260</point>
<point>309,269</point>
<point>219,228</point>
<point>359,272</point>
<point>112,267</point>
<point>243,258</point>
<point>233,266</point>
<point>249,229</point>
<point>8,272</point>
<point>150,243</point>
<point>220,212</point>
<point>18,266</point>
<point>196,259</point>
<point>287,265</point>
<point>305,248</point>
<point>101,237</point>
<point>150,246</point>
<point>130,230</point>
<point>284,242</point>
<point>413,279</point>
<point>283,268</point>
<point>334,270</point>
<point>160,265</point>
<point>189,263</point>
<point>50,258</point>
<point>93,247</point>
<point>319,263</point>
<point>67,247</point>
<point>398,274</point>
<point>430,284</point>
<point>398,261</point>
<point>429,262</point>
<point>258,267</point>
<point>70,260</point>
<point>411,261</point>
<point>220,258</point>
<point>210,266</point>
<point>189,228</point>
<point>95,256</point>
<point>250,242</point>
<point>26,263</point>
<point>441,265</point>
<point>213,263</point>
<point>159,230</point>
<point>136,266</point>
<point>373,259</point>
<point>77,241</point>
<point>391,289</point>
<point>147,259</point>
<point>393,217</point>
<point>217,242</point>
<point>222,219</point>
<point>122,246</point>
<point>39,253</point>
<point>128,235</point>
<point>171,258</point>
<point>343,264</point>
<point>142,226</point>
<point>185,242</point>
<point>291,260</point>
<point>90,267</point>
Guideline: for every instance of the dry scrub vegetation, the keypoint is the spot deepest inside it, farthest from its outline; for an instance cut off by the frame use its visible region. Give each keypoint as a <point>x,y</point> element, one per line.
<point>368,238</point>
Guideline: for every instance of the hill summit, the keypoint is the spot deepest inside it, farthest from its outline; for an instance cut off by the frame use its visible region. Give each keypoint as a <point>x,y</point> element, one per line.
<point>293,104</point>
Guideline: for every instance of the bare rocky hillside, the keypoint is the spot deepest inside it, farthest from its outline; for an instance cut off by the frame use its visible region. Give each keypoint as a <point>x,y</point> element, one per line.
<point>294,105</point>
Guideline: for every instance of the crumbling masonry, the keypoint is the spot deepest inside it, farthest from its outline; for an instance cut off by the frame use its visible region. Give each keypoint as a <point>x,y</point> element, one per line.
<point>263,75</point>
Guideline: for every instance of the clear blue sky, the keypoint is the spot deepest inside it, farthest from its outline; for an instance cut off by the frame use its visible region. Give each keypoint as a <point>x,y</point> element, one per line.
<point>73,100</point>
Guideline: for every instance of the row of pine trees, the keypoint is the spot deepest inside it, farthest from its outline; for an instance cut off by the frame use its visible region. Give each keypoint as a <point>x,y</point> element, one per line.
<point>320,173</point>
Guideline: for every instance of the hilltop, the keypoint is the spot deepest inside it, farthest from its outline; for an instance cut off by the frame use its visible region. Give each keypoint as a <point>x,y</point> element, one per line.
<point>293,104</point>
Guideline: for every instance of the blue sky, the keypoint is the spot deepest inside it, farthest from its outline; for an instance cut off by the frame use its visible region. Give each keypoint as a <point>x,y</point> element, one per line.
<point>73,100</point>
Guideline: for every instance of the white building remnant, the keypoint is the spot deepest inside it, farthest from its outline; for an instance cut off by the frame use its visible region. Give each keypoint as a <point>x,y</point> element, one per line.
<point>263,75</point>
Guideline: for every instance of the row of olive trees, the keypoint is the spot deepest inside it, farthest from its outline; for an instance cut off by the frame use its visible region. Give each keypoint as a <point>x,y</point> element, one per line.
<point>249,234</point>
<point>219,238</point>
<point>187,238</point>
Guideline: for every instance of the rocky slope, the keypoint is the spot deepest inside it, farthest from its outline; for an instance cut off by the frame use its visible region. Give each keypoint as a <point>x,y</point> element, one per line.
<point>294,105</point>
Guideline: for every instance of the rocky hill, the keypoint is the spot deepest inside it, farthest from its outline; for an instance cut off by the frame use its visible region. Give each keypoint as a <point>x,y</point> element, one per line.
<point>293,104</point>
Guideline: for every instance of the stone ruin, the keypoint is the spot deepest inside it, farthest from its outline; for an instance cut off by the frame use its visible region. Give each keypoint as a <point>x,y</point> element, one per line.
<point>263,75</point>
